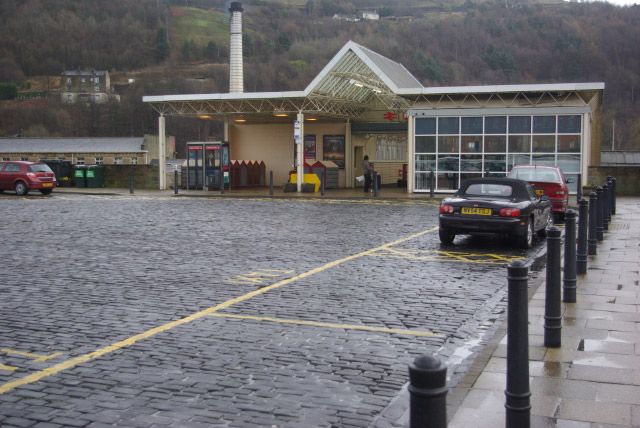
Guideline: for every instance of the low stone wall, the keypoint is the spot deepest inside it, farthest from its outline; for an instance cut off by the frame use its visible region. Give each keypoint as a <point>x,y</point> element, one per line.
<point>145,176</point>
<point>627,178</point>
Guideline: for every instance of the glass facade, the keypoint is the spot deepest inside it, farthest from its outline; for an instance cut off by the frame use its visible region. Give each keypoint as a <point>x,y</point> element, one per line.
<point>460,147</point>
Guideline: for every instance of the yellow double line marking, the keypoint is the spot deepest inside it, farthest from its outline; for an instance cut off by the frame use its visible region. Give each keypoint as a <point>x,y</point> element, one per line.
<point>73,362</point>
<point>331,325</point>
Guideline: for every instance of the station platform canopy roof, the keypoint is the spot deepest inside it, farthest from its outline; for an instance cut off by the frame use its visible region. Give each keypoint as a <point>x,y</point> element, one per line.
<point>358,80</point>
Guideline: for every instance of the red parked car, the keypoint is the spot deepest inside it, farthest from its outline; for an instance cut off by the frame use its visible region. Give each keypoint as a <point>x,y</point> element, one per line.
<point>546,180</point>
<point>25,176</point>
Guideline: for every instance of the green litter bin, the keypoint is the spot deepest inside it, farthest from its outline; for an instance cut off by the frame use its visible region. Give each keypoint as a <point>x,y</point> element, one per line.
<point>79,176</point>
<point>95,176</point>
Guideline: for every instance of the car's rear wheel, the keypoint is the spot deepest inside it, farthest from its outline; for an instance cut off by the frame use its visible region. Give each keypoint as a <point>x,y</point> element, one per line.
<point>45,191</point>
<point>21,188</point>
<point>526,240</point>
<point>543,232</point>
<point>446,235</point>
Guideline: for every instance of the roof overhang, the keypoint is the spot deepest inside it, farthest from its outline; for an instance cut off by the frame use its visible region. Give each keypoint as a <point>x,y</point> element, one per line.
<point>356,81</point>
<point>508,96</point>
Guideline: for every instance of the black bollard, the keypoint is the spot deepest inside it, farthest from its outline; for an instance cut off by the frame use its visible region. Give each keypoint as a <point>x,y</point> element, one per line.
<point>221,178</point>
<point>131,177</point>
<point>613,200</point>
<point>270,183</point>
<point>375,184</point>
<point>583,226</point>
<point>606,205</point>
<point>579,187</point>
<point>431,183</point>
<point>518,406</point>
<point>428,393</point>
<point>175,181</point>
<point>609,200</point>
<point>600,214</point>
<point>569,279</point>
<point>593,224</point>
<point>552,312</point>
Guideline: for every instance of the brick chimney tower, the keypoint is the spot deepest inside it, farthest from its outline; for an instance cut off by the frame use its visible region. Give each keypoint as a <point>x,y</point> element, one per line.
<point>236,83</point>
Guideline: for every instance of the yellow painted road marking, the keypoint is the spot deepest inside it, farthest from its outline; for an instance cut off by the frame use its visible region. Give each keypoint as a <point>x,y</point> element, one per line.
<point>259,276</point>
<point>438,255</point>
<point>36,357</point>
<point>8,368</point>
<point>73,362</point>
<point>331,325</point>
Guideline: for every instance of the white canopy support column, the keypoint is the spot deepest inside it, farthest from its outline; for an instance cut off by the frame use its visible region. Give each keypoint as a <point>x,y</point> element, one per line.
<point>348,156</point>
<point>298,133</point>
<point>410,155</point>
<point>161,152</point>
<point>226,129</point>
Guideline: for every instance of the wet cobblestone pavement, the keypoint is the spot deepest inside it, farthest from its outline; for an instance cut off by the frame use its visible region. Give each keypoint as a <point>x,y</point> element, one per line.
<point>184,312</point>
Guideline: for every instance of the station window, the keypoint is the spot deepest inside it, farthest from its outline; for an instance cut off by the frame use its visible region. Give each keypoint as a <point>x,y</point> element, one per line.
<point>134,160</point>
<point>79,161</point>
<point>519,124</point>
<point>426,126</point>
<point>24,158</point>
<point>495,125</point>
<point>544,124</point>
<point>6,159</point>
<point>99,161</point>
<point>449,125</point>
<point>460,147</point>
<point>117,160</point>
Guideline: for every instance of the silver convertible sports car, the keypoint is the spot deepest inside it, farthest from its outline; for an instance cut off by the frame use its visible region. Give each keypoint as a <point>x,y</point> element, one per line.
<point>495,205</point>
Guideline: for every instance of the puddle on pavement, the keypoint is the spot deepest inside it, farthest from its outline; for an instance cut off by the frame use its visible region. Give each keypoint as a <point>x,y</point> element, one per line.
<point>552,369</point>
<point>598,361</point>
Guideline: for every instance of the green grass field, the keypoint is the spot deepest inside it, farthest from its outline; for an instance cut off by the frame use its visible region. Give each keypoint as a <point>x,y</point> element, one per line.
<point>199,25</point>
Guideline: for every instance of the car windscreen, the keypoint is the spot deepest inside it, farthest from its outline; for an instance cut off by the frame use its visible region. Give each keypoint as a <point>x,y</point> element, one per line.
<point>535,174</point>
<point>39,167</point>
<point>489,190</point>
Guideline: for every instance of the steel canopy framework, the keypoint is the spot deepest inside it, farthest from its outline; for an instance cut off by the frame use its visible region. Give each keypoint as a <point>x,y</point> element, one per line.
<point>348,87</point>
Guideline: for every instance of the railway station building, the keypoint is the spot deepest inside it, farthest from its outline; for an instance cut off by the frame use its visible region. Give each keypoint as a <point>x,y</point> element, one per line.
<point>363,103</point>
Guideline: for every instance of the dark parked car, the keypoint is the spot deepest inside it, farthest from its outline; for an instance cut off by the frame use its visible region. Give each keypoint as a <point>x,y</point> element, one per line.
<point>25,176</point>
<point>495,205</point>
<point>546,180</point>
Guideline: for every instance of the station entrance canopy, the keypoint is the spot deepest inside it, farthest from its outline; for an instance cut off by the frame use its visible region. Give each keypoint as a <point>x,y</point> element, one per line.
<point>351,83</point>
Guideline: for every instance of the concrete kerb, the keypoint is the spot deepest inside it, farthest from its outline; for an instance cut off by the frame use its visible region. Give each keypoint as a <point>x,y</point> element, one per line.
<point>343,196</point>
<point>397,412</point>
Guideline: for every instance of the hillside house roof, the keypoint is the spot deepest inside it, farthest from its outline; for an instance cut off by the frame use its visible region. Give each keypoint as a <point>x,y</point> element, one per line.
<point>71,145</point>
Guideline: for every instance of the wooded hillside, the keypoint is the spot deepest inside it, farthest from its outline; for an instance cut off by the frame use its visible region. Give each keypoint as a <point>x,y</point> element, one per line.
<point>181,46</point>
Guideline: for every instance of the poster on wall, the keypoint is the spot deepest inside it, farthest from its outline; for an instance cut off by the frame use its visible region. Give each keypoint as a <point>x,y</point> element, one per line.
<point>310,147</point>
<point>333,149</point>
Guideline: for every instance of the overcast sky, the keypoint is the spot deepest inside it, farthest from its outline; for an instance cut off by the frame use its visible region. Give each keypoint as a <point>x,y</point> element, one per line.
<point>624,2</point>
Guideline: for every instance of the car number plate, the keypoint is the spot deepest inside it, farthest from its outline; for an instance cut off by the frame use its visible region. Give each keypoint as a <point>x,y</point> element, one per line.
<point>47,184</point>
<point>478,211</point>
<point>539,192</point>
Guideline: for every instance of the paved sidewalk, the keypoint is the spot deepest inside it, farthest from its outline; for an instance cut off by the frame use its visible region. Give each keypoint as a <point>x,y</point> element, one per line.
<point>385,193</point>
<point>593,380</point>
